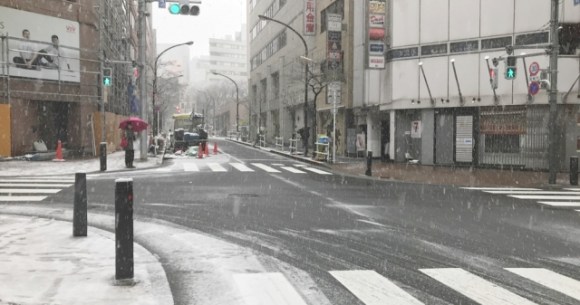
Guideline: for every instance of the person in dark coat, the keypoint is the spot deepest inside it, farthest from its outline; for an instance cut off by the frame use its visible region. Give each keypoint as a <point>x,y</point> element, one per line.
<point>130,148</point>
<point>203,138</point>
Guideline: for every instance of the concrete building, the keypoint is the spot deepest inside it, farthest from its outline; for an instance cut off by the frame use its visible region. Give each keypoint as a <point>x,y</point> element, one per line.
<point>434,99</point>
<point>276,86</point>
<point>60,97</point>
<point>228,56</point>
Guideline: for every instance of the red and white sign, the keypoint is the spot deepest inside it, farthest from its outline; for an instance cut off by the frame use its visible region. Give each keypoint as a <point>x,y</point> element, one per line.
<point>377,62</point>
<point>377,21</point>
<point>310,17</point>
<point>534,68</point>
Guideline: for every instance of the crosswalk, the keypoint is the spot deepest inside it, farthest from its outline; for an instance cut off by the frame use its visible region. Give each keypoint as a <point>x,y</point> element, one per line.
<point>32,188</point>
<point>566,198</point>
<point>245,168</point>
<point>372,288</point>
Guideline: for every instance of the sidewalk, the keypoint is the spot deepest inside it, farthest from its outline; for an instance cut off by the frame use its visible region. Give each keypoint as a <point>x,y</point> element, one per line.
<point>429,174</point>
<point>115,163</point>
<point>42,263</point>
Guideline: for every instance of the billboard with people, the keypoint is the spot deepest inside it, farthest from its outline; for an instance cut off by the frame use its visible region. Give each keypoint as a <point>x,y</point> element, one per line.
<point>39,46</point>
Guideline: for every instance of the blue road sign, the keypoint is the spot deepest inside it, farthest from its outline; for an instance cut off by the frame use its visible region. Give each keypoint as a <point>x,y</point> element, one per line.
<point>534,88</point>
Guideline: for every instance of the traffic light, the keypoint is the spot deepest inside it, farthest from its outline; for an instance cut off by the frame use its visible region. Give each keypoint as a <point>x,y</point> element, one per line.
<point>510,69</point>
<point>107,77</point>
<point>493,77</point>
<point>183,9</point>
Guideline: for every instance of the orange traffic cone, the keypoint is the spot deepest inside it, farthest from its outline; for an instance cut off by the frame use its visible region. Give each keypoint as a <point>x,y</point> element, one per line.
<point>206,149</point>
<point>215,148</point>
<point>58,152</point>
<point>199,152</point>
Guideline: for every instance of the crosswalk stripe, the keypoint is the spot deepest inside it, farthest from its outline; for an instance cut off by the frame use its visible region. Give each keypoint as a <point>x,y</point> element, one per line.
<point>293,170</point>
<point>475,288</point>
<point>29,191</point>
<point>315,170</point>
<point>533,192</point>
<point>572,189</point>
<point>550,279</point>
<point>545,197</point>
<point>21,198</point>
<point>266,168</point>
<point>37,180</point>
<point>215,167</point>
<point>241,167</point>
<point>373,289</point>
<point>33,185</point>
<point>267,289</point>
<point>562,204</point>
<point>190,167</point>
<point>501,188</point>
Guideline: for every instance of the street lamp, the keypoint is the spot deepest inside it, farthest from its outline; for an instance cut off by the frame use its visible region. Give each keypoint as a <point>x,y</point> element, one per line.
<point>155,80</point>
<point>306,132</point>
<point>237,100</point>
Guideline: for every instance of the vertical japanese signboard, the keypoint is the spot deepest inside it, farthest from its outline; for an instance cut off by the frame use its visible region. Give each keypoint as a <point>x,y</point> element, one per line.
<point>309,17</point>
<point>376,34</point>
<point>334,42</point>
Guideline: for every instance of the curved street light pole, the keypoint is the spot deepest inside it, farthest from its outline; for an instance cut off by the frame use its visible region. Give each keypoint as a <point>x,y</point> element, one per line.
<point>155,82</point>
<point>306,131</point>
<point>237,100</point>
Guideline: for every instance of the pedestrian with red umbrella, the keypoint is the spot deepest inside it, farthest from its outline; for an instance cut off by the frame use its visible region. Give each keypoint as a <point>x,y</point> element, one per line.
<point>130,126</point>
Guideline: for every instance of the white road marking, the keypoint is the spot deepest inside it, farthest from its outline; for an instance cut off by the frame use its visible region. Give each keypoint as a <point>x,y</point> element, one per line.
<point>550,279</point>
<point>300,165</point>
<point>241,167</point>
<point>267,289</point>
<point>33,185</point>
<point>215,167</point>
<point>563,204</point>
<point>293,170</point>
<point>572,189</point>
<point>373,289</point>
<point>29,191</point>
<point>545,197</point>
<point>533,192</point>
<point>371,223</point>
<point>266,168</point>
<point>277,164</point>
<point>500,188</point>
<point>21,198</point>
<point>475,288</point>
<point>315,170</point>
<point>39,180</point>
<point>190,167</point>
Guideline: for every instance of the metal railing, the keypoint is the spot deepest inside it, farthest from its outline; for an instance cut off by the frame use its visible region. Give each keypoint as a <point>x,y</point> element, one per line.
<point>279,143</point>
<point>294,144</point>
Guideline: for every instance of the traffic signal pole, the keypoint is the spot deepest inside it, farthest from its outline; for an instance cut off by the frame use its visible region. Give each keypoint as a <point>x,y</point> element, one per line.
<point>143,76</point>
<point>553,139</point>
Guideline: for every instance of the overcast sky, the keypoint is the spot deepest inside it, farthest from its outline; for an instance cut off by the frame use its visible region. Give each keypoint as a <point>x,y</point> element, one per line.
<point>217,19</point>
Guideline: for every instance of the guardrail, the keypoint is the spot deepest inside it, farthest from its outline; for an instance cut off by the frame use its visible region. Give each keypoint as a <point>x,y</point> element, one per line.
<point>279,143</point>
<point>294,144</point>
<point>322,149</point>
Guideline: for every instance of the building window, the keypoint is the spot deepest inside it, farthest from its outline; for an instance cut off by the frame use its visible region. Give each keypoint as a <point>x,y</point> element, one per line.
<point>464,46</point>
<point>434,49</point>
<point>495,143</point>
<point>276,84</point>
<point>569,38</point>
<point>496,43</point>
<point>534,38</point>
<point>403,53</point>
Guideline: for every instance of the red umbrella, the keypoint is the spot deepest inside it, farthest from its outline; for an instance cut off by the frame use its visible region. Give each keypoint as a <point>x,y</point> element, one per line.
<point>138,124</point>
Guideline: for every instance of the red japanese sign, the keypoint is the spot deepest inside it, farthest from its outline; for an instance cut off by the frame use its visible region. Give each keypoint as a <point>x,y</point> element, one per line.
<point>310,17</point>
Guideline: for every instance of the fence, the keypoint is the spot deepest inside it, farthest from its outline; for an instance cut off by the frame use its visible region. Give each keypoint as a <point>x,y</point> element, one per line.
<point>279,143</point>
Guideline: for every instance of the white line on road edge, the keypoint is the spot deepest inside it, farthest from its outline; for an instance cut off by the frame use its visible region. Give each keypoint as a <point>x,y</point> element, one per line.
<point>190,167</point>
<point>475,288</point>
<point>215,167</point>
<point>266,168</point>
<point>371,223</point>
<point>533,192</point>
<point>314,170</point>
<point>29,191</point>
<point>550,279</point>
<point>545,197</point>
<point>500,188</point>
<point>562,204</point>
<point>293,170</point>
<point>373,289</point>
<point>241,167</point>
<point>267,289</point>
<point>21,198</point>
<point>33,185</point>
<point>38,180</point>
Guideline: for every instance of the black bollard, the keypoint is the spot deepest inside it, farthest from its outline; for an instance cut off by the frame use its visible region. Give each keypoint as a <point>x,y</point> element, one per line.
<point>80,205</point>
<point>574,170</point>
<point>369,163</point>
<point>124,229</point>
<point>103,156</point>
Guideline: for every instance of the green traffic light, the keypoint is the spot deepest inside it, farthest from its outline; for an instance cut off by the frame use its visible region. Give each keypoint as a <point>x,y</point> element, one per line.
<point>107,81</point>
<point>174,9</point>
<point>510,73</point>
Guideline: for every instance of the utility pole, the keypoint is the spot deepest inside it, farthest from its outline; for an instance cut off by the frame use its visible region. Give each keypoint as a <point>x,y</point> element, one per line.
<point>553,139</point>
<point>143,74</point>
